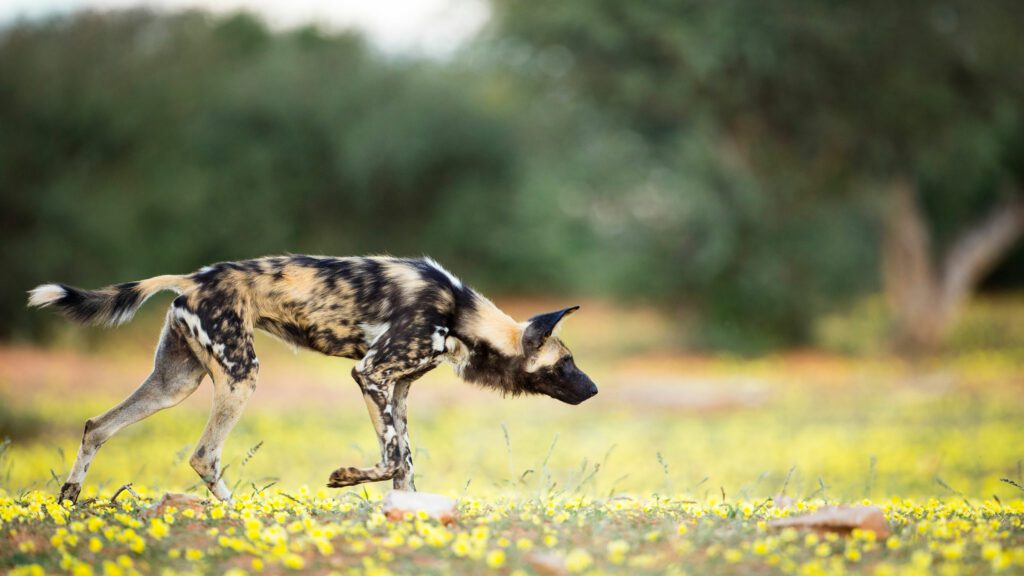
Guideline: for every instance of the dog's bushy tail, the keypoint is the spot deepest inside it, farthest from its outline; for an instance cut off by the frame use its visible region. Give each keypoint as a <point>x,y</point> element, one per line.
<point>110,306</point>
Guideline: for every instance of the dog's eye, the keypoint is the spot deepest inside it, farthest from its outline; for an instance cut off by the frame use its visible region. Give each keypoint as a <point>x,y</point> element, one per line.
<point>565,365</point>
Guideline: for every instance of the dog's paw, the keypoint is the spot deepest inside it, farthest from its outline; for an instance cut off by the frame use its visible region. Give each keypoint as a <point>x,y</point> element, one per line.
<point>346,476</point>
<point>69,491</point>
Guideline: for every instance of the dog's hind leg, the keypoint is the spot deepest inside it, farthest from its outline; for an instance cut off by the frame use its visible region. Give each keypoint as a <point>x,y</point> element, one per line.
<point>176,374</point>
<point>230,396</point>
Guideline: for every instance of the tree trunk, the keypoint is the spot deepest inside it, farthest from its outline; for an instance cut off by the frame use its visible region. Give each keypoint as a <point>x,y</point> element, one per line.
<point>924,299</point>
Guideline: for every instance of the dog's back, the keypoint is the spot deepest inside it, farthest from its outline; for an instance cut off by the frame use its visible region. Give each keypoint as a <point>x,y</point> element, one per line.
<point>336,306</point>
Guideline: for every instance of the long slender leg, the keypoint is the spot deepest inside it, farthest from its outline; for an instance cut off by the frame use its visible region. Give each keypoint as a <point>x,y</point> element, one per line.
<point>176,374</point>
<point>229,399</point>
<point>378,395</point>
<point>403,479</point>
<point>220,336</point>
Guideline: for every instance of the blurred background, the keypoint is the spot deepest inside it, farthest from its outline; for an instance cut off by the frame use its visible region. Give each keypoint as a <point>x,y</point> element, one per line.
<point>795,228</point>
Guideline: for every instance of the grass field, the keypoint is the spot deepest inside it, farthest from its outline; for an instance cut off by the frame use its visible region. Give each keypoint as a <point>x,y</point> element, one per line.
<point>678,465</point>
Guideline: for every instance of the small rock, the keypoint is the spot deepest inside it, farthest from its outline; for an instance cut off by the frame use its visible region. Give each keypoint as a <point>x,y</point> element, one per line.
<point>398,502</point>
<point>177,501</point>
<point>839,519</point>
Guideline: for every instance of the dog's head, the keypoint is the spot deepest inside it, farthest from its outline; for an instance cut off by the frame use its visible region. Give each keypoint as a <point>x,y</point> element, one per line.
<point>549,368</point>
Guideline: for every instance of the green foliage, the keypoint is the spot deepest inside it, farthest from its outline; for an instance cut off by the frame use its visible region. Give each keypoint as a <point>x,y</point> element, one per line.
<point>774,128</point>
<point>724,157</point>
<point>135,145</point>
<point>16,425</point>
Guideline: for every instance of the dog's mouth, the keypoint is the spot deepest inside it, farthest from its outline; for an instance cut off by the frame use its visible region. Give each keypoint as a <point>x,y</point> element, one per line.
<point>590,393</point>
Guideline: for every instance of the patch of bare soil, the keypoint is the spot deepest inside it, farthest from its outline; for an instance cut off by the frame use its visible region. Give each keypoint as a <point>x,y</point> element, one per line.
<point>698,395</point>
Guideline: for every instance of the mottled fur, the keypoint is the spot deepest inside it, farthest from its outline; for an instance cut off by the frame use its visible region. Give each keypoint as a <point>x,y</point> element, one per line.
<point>398,317</point>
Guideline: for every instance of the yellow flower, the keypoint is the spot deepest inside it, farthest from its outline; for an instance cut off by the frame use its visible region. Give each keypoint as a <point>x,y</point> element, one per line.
<point>578,560</point>
<point>27,546</point>
<point>921,559</point>
<point>95,545</point>
<point>953,551</point>
<point>293,561</point>
<point>524,544</point>
<point>138,545</point>
<point>193,554</point>
<point>496,558</point>
<point>157,529</point>
<point>617,550</point>
<point>460,547</point>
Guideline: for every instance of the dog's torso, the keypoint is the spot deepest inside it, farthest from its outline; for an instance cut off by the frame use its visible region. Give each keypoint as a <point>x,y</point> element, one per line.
<point>335,306</point>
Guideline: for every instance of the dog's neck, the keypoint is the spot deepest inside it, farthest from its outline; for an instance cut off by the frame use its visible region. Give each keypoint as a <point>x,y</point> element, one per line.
<point>487,346</point>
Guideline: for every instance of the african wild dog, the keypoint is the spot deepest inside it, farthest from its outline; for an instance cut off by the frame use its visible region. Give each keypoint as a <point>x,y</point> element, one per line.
<point>398,317</point>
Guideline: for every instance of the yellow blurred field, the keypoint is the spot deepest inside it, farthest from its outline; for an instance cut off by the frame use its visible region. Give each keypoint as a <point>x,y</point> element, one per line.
<point>932,438</point>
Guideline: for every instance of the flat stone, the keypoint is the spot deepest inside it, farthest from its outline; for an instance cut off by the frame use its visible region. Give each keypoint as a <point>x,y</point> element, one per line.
<point>838,519</point>
<point>398,503</point>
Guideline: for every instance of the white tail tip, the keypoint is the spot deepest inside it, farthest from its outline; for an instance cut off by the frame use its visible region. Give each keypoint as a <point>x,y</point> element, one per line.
<point>42,296</point>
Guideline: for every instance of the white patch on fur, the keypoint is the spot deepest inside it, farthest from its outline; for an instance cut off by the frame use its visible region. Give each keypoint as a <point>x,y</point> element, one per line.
<point>42,296</point>
<point>218,351</point>
<point>194,325</point>
<point>437,338</point>
<point>451,277</point>
<point>205,269</point>
<point>373,332</point>
<point>121,317</point>
<point>389,434</point>
<point>361,365</point>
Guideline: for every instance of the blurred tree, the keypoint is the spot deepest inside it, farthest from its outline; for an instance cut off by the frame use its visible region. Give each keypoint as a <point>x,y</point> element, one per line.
<point>135,144</point>
<point>915,108</point>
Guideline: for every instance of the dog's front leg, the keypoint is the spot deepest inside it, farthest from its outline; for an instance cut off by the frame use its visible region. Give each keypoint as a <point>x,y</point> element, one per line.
<point>378,392</point>
<point>403,479</point>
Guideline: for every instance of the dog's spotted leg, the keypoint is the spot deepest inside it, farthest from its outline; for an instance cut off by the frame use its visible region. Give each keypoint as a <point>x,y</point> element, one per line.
<point>378,393</point>
<point>176,374</point>
<point>230,395</point>
<point>222,341</point>
<point>403,479</point>
<point>384,375</point>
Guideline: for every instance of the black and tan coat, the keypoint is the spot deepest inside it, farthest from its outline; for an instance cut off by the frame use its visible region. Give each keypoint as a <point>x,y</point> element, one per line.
<point>398,317</point>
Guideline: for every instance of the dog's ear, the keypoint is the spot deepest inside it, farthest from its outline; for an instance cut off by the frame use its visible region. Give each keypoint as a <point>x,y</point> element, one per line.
<point>541,326</point>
